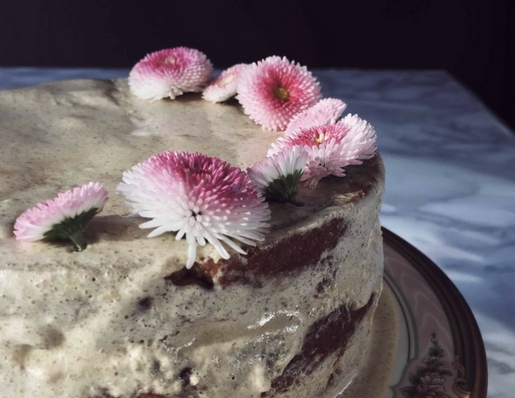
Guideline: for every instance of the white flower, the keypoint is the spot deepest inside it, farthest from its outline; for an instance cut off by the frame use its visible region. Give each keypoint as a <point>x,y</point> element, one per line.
<point>225,86</point>
<point>198,197</point>
<point>325,111</point>
<point>278,175</point>
<point>65,216</point>
<point>331,147</point>
<point>169,73</point>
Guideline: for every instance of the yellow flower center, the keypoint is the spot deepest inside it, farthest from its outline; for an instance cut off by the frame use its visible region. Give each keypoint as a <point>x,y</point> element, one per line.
<point>321,138</point>
<point>169,61</point>
<point>281,93</point>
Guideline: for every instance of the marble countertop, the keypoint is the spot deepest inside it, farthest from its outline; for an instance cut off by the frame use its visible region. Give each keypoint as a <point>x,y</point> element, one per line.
<point>450,188</point>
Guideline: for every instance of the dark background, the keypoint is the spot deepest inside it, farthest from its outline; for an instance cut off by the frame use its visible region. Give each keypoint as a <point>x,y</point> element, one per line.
<point>473,40</point>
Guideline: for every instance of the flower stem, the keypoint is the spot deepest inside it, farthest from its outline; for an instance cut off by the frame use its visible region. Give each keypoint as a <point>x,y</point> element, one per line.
<point>77,238</point>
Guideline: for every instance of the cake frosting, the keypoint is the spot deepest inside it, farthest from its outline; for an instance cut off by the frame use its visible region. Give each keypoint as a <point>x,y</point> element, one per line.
<point>125,318</point>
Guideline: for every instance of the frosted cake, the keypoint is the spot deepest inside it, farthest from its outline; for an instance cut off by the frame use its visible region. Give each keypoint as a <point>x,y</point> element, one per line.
<point>126,318</point>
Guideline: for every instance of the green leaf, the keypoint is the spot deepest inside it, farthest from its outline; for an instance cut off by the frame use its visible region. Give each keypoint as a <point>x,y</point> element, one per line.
<point>285,188</point>
<point>71,228</point>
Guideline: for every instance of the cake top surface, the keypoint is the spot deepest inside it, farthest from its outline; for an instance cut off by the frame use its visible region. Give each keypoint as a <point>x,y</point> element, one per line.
<point>59,135</point>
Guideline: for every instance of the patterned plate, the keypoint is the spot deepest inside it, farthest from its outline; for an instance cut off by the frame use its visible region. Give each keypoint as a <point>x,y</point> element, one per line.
<point>440,352</point>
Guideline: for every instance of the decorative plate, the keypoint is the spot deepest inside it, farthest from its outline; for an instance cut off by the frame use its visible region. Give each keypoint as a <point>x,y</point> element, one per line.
<point>440,352</point>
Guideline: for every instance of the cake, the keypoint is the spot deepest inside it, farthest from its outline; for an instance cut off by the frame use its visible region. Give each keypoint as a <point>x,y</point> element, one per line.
<point>125,318</point>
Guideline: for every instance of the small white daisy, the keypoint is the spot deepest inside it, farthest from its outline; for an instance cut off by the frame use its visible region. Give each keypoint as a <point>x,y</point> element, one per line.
<point>278,176</point>
<point>65,216</point>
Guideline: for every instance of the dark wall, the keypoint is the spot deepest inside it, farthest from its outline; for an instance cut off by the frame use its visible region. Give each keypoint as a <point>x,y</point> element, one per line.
<point>474,40</point>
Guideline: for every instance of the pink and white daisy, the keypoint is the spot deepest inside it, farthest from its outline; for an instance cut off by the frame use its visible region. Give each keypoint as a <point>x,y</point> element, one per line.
<point>169,73</point>
<point>224,86</point>
<point>65,216</point>
<point>199,197</point>
<point>278,176</point>
<point>274,90</point>
<point>331,147</point>
<point>325,111</point>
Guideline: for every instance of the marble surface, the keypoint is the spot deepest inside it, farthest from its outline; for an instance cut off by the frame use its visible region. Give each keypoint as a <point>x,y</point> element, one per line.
<point>450,187</point>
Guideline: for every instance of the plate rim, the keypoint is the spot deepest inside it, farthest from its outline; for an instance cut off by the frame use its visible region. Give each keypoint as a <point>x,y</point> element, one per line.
<point>468,341</point>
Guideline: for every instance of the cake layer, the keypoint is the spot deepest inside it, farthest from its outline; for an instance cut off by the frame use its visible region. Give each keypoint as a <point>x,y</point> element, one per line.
<point>124,318</point>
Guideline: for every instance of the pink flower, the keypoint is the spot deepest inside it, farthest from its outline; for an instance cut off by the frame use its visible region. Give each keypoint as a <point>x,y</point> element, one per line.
<point>225,86</point>
<point>274,90</point>
<point>65,216</point>
<point>169,73</point>
<point>325,111</point>
<point>278,176</point>
<point>199,197</point>
<point>331,147</point>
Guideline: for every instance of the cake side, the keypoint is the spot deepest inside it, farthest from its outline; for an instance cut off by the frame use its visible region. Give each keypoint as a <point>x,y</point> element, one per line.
<point>114,320</point>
